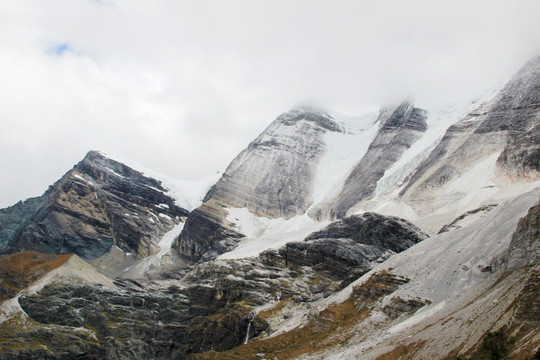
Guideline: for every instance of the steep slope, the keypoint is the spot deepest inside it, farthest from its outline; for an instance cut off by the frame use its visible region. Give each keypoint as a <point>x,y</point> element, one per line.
<point>218,305</point>
<point>100,202</point>
<point>491,147</point>
<point>272,177</point>
<point>399,128</point>
<point>441,298</point>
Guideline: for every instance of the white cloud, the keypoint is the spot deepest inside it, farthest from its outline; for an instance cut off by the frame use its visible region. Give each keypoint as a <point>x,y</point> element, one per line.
<point>183,86</point>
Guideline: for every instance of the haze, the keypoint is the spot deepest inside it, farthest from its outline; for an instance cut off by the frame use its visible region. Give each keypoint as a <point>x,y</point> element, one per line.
<point>182,86</point>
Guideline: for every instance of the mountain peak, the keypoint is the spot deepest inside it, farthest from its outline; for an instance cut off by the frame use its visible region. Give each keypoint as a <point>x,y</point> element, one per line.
<point>312,114</point>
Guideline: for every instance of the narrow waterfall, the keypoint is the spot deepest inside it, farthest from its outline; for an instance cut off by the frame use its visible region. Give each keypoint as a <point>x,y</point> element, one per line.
<point>247,334</point>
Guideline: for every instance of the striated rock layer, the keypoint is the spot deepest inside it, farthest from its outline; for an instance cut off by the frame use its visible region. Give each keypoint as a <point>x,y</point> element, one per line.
<point>272,177</point>
<point>506,130</point>
<point>100,202</point>
<point>347,248</point>
<point>399,128</point>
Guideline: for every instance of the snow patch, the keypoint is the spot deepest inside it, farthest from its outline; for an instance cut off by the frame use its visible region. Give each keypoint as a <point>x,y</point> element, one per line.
<point>165,216</point>
<point>187,194</point>
<point>343,152</point>
<point>142,267</point>
<point>263,233</point>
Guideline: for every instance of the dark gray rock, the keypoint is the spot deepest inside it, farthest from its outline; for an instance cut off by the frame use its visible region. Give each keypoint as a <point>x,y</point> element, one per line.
<point>137,323</point>
<point>346,249</point>
<point>520,159</point>
<point>100,202</point>
<point>386,232</point>
<point>206,234</point>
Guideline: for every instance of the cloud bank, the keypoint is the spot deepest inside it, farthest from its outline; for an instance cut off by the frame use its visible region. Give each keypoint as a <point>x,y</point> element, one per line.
<point>183,86</point>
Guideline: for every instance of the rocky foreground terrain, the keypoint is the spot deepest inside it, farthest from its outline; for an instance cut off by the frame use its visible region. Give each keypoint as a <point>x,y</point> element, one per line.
<point>407,234</point>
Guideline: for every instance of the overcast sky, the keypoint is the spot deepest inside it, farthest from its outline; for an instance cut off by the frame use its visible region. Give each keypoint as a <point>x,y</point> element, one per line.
<point>182,86</point>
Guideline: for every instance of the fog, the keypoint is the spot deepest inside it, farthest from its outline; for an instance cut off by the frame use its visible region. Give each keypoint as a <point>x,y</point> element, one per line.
<point>182,86</point>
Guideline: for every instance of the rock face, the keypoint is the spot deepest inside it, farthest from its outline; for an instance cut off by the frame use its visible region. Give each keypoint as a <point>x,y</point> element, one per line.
<point>524,248</point>
<point>100,202</point>
<point>466,218</point>
<point>131,322</point>
<point>399,128</point>
<point>273,177</point>
<point>346,248</point>
<point>508,126</point>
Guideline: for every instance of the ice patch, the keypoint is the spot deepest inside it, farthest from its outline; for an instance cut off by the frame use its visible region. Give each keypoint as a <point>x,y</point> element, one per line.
<point>263,233</point>
<point>187,194</point>
<point>343,152</point>
<point>438,123</point>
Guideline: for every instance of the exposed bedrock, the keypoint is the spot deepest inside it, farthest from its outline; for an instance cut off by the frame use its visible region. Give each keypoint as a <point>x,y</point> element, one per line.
<point>100,202</point>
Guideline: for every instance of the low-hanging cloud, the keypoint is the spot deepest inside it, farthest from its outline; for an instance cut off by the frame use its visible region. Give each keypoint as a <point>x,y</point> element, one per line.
<point>183,86</point>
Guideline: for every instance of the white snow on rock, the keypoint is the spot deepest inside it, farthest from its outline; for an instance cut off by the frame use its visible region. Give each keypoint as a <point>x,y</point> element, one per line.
<point>263,233</point>
<point>141,267</point>
<point>344,151</point>
<point>445,269</point>
<point>188,194</point>
<point>438,121</point>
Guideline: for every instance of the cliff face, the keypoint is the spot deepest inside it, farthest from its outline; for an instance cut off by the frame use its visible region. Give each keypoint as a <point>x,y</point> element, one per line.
<point>273,177</point>
<point>524,249</point>
<point>505,129</point>
<point>100,202</point>
<point>399,128</point>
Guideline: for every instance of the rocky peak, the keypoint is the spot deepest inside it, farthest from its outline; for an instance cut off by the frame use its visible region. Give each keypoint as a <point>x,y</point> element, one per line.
<point>273,177</point>
<point>311,114</point>
<point>400,127</point>
<point>517,104</point>
<point>405,115</point>
<point>98,203</point>
<point>97,165</point>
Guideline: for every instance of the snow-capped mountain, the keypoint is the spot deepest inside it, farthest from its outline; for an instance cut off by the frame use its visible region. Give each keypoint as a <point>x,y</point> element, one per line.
<point>100,204</point>
<point>404,234</point>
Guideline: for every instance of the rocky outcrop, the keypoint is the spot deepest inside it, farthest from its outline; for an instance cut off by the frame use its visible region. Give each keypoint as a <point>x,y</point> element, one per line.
<point>524,248</point>
<point>346,249</point>
<point>520,159</point>
<point>100,202</point>
<point>206,234</point>
<point>272,177</point>
<point>132,322</point>
<point>468,217</point>
<point>400,127</point>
